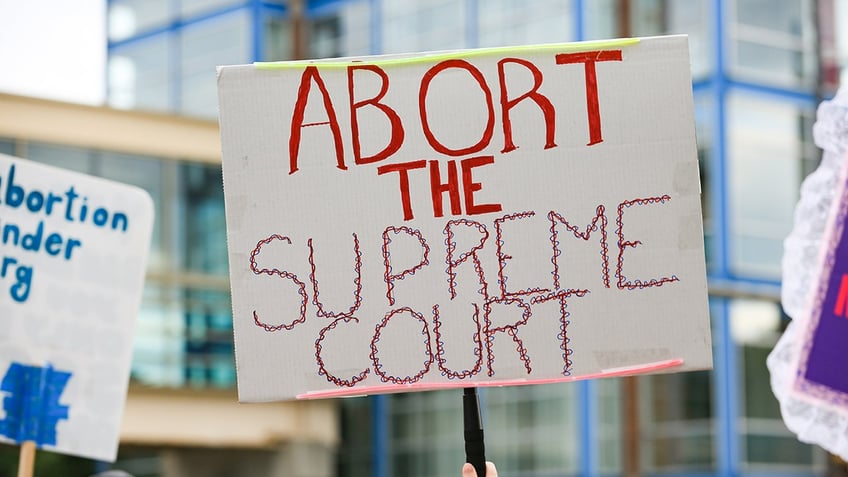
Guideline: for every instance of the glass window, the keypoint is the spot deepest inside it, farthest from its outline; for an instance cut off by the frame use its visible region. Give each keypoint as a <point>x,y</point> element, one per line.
<point>356,28</point>
<point>221,40</point>
<point>606,19</point>
<point>128,18</point>
<point>277,34</point>
<point>70,158</point>
<point>7,146</point>
<point>419,26</point>
<point>766,148</point>
<point>139,75</point>
<point>209,358</point>
<point>704,126</point>
<point>601,19</point>
<point>647,18</point>
<point>426,433</point>
<point>184,327</point>
<point>693,18</point>
<point>673,429</point>
<point>677,424</point>
<point>205,242</point>
<point>325,37</point>
<point>609,427</point>
<point>530,430</point>
<point>516,22</point>
<point>355,449</point>
<point>767,445</point>
<point>191,8</point>
<point>159,347</point>
<point>773,41</point>
<point>145,173</point>
<point>343,32</point>
<point>203,250</point>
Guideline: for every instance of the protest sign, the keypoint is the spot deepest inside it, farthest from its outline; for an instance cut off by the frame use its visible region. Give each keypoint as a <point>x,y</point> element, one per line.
<point>818,376</point>
<point>484,217</point>
<point>805,364</point>
<point>73,253</point>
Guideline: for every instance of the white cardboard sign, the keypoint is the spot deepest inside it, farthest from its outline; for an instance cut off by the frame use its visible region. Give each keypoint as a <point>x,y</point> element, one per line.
<point>73,253</point>
<point>484,217</point>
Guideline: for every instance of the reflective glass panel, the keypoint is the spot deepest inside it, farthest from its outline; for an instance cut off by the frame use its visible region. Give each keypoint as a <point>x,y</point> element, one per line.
<point>608,401</point>
<point>607,19</point>
<point>145,173</point>
<point>423,26</point>
<point>325,37</point>
<point>678,421</point>
<point>192,8</point>
<point>767,445</point>
<point>356,28</point>
<point>516,22</point>
<point>140,74</point>
<point>704,127</point>
<point>765,152</point>
<point>70,158</point>
<point>601,19</point>
<point>531,430</point>
<point>159,347</point>
<point>222,40</point>
<point>209,359</point>
<point>693,18</point>
<point>205,246</point>
<point>773,41</point>
<point>278,39</point>
<point>128,18</point>
<point>7,146</point>
<point>355,448</point>
<point>343,32</point>
<point>426,433</point>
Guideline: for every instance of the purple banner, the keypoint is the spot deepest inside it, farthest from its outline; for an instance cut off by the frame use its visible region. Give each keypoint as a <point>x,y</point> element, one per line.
<point>821,372</point>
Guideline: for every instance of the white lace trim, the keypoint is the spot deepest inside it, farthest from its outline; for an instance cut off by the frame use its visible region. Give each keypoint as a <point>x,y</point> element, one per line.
<point>813,423</point>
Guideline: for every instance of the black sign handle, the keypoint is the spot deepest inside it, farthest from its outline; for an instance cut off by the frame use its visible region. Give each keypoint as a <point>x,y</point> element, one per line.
<point>475,450</point>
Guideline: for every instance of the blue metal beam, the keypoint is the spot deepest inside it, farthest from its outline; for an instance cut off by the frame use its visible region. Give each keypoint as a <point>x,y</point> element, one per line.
<point>257,37</point>
<point>579,23</point>
<point>380,450</point>
<point>725,377</point>
<point>800,98</point>
<point>726,386</point>
<point>587,422</point>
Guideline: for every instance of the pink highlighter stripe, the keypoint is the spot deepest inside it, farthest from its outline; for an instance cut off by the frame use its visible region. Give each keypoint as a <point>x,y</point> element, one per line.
<point>395,388</point>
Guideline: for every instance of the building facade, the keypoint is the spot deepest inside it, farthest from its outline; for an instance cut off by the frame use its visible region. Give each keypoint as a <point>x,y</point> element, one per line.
<point>759,70</point>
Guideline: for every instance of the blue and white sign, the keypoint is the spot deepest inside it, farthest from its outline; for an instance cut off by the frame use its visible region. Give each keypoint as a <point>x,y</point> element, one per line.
<point>73,254</point>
